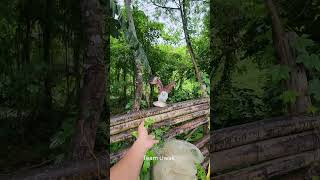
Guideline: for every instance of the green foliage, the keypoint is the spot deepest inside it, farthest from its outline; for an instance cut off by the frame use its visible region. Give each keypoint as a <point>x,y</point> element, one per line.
<point>303,44</point>
<point>279,73</point>
<point>197,135</point>
<point>201,172</point>
<point>309,61</point>
<point>314,88</point>
<point>312,110</point>
<point>289,97</point>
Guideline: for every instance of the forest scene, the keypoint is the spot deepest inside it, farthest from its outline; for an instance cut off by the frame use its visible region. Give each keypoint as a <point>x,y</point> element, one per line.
<point>251,76</point>
<point>59,86</point>
<point>265,89</point>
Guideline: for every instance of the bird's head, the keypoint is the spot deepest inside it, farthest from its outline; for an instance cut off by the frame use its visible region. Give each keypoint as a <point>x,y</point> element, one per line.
<point>154,80</point>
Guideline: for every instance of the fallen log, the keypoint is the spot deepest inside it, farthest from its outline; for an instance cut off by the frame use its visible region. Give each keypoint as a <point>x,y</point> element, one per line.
<point>114,157</point>
<point>127,134</point>
<point>257,131</point>
<point>187,127</point>
<point>67,169</point>
<point>203,141</point>
<point>250,154</point>
<point>119,119</point>
<point>272,168</point>
<point>158,118</point>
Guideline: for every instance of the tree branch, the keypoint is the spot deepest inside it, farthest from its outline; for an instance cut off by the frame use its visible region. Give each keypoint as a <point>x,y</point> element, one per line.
<point>165,7</point>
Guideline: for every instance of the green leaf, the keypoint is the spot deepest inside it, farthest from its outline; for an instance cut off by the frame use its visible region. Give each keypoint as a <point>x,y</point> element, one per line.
<point>311,61</point>
<point>314,88</point>
<point>312,110</point>
<point>279,73</point>
<point>135,134</point>
<point>201,173</point>
<point>148,122</point>
<point>302,43</point>
<point>289,97</point>
<point>146,166</point>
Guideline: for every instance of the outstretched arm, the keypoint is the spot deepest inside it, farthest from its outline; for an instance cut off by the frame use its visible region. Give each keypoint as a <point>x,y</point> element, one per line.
<point>128,168</point>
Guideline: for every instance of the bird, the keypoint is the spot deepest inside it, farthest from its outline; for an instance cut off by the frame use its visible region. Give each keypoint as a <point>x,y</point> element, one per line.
<point>163,91</point>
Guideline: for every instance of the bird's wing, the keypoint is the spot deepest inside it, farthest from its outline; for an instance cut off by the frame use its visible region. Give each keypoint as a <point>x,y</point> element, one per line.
<point>170,86</point>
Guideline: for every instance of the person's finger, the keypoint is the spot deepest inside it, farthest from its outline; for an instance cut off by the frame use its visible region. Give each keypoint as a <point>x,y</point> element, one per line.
<point>155,141</point>
<point>141,126</point>
<point>152,136</point>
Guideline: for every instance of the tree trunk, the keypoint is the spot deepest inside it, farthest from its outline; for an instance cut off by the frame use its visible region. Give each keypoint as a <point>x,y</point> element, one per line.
<point>124,90</point>
<point>76,66</point>
<point>46,55</point>
<point>93,90</point>
<point>287,56</point>
<point>182,10</point>
<point>138,63</point>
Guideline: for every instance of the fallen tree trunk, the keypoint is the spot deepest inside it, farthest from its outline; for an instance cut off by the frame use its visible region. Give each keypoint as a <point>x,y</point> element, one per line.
<point>273,168</point>
<point>203,141</point>
<point>127,134</point>
<point>247,155</point>
<point>114,157</point>
<point>187,127</point>
<point>158,118</point>
<point>257,131</point>
<point>67,169</point>
<point>119,119</point>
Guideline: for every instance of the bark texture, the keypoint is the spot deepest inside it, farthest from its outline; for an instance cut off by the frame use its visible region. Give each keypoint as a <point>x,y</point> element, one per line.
<point>254,153</point>
<point>137,58</point>
<point>93,90</point>
<point>228,138</point>
<point>183,12</point>
<point>119,119</point>
<point>297,81</point>
<point>71,169</point>
<point>273,168</point>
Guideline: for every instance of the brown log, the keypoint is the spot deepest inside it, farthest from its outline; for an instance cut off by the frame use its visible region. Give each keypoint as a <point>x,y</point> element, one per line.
<point>127,134</point>
<point>205,151</point>
<point>158,118</point>
<point>247,155</point>
<point>183,118</point>
<point>203,141</point>
<point>205,163</point>
<point>67,169</point>
<point>119,119</point>
<point>272,168</point>
<point>114,157</point>
<point>187,127</point>
<point>257,131</point>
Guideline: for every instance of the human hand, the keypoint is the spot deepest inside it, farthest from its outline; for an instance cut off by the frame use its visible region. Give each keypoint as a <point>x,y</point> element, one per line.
<point>145,140</point>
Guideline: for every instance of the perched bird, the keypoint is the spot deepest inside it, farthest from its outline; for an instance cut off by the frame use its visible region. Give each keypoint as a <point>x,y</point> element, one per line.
<point>163,91</point>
